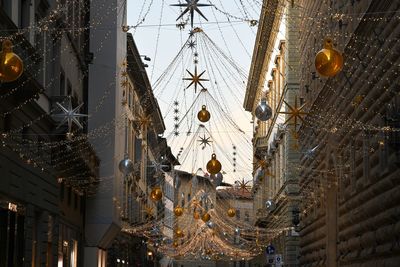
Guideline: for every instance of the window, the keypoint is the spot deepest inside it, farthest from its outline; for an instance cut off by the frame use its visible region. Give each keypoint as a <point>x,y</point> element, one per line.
<point>246,216</point>
<point>69,195</point>
<point>62,189</point>
<point>69,88</point>
<point>238,214</point>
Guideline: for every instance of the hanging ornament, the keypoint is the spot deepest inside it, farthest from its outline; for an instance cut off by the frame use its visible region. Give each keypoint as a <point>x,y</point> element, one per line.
<point>213,166</point>
<point>11,65</point>
<point>156,194</point>
<point>263,111</point>
<point>328,61</point>
<point>206,217</point>
<point>178,232</point>
<point>126,165</point>
<point>237,231</point>
<point>216,179</point>
<point>203,114</point>
<point>231,212</point>
<point>196,215</point>
<point>178,211</point>
<point>175,244</point>
<point>270,205</point>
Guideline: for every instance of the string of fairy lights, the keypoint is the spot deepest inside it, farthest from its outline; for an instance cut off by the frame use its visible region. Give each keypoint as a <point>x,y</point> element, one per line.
<point>217,235</point>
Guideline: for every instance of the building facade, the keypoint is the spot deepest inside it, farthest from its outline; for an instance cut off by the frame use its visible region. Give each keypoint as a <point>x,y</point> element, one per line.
<point>349,182</point>
<point>274,76</point>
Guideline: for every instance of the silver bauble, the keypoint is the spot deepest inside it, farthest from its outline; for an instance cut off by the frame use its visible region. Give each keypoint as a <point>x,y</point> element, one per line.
<point>210,224</point>
<point>126,166</point>
<point>263,111</point>
<point>237,231</point>
<point>270,205</point>
<point>216,179</point>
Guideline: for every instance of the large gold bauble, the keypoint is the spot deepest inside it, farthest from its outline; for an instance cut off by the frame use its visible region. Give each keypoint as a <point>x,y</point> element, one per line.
<point>214,166</point>
<point>178,211</point>
<point>328,61</point>
<point>231,212</point>
<point>178,232</point>
<point>196,215</point>
<point>203,114</point>
<point>11,65</point>
<point>156,194</point>
<point>206,217</point>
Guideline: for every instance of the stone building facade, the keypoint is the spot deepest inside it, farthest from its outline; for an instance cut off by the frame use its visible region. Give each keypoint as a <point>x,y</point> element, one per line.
<point>350,183</point>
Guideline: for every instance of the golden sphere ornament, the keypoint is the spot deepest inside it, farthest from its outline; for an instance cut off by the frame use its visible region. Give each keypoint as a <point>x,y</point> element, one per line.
<point>156,194</point>
<point>178,211</point>
<point>214,166</point>
<point>11,65</point>
<point>196,215</point>
<point>231,212</point>
<point>175,244</point>
<point>203,114</point>
<point>328,61</point>
<point>178,232</point>
<point>206,217</point>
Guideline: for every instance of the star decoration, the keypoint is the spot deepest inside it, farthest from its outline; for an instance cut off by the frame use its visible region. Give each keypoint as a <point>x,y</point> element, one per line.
<point>195,79</point>
<point>176,118</point>
<point>176,103</point>
<point>204,141</point>
<point>176,111</point>
<point>124,83</point>
<point>262,163</point>
<point>149,211</point>
<point>191,44</point>
<point>243,186</point>
<point>70,115</point>
<point>196,204</point>
<point>176,133</point>
<point>144,120</point>
<point>295,113</point>
<point>191,5</point>
<point>176,126</point>
<point>158,167</point>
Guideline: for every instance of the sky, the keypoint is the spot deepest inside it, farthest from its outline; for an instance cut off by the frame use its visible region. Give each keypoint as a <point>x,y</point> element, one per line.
<point>224,50</point>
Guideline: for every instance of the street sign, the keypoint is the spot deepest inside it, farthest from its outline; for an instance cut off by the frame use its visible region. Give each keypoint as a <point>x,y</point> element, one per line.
<point>278,260</point>
<point>270,250</point>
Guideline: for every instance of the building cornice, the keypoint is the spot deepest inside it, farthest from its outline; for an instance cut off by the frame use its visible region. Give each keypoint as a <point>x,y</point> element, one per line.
<point>265,38</point>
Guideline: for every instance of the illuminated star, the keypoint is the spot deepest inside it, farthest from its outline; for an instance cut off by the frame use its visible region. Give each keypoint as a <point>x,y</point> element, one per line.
<point>176,126</point>
<point>295,112</point>
<point>144,120</point>
<point>70,115</point>
<point>243,186</point>
<point>176,103</point>
<point>176,111</point>
<point>262,163</point>
<point>176,133</point>
<point>191,5</point>
<point>195,79</point>
<point>191,44</point>
<point>149,211</point>
<point>158,167</point>
<point>204,141</point>
<point>176,118</point>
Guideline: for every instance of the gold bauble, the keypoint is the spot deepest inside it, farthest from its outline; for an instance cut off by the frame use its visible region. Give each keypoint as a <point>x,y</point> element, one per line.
<point>178,232</point>
<point>175,244</point>
<point>178,211</point>
<point>156,194</point>
<point>196,215</point>
<point>231,212</point>
<point>206,217</point>
<point>11,65</point>
<point>214,166</point>
<point>328,61</point>
<point>203,114</point>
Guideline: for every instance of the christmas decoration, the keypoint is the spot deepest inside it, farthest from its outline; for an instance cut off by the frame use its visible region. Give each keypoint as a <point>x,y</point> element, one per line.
<point>295,112</point>
<point>206,217</point>
<point>216,178</point>
<point>231,212</point>
<point>70,115</point>
<point>263,111</point>
<point>196,215</point>
<point>213,166</point>
<point>328,61</point>
<point>270,205</point>
<point>191,5</point>
<point>178,211</point>
<point>11,65</point>
<point>204,114</point>
<point>205,141</point>
<point>195,79</point>
<point>175,244</point>
<point>126,165</point>
<point>243,186</point>
<point>178,233</point>
<point>156,194</point>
